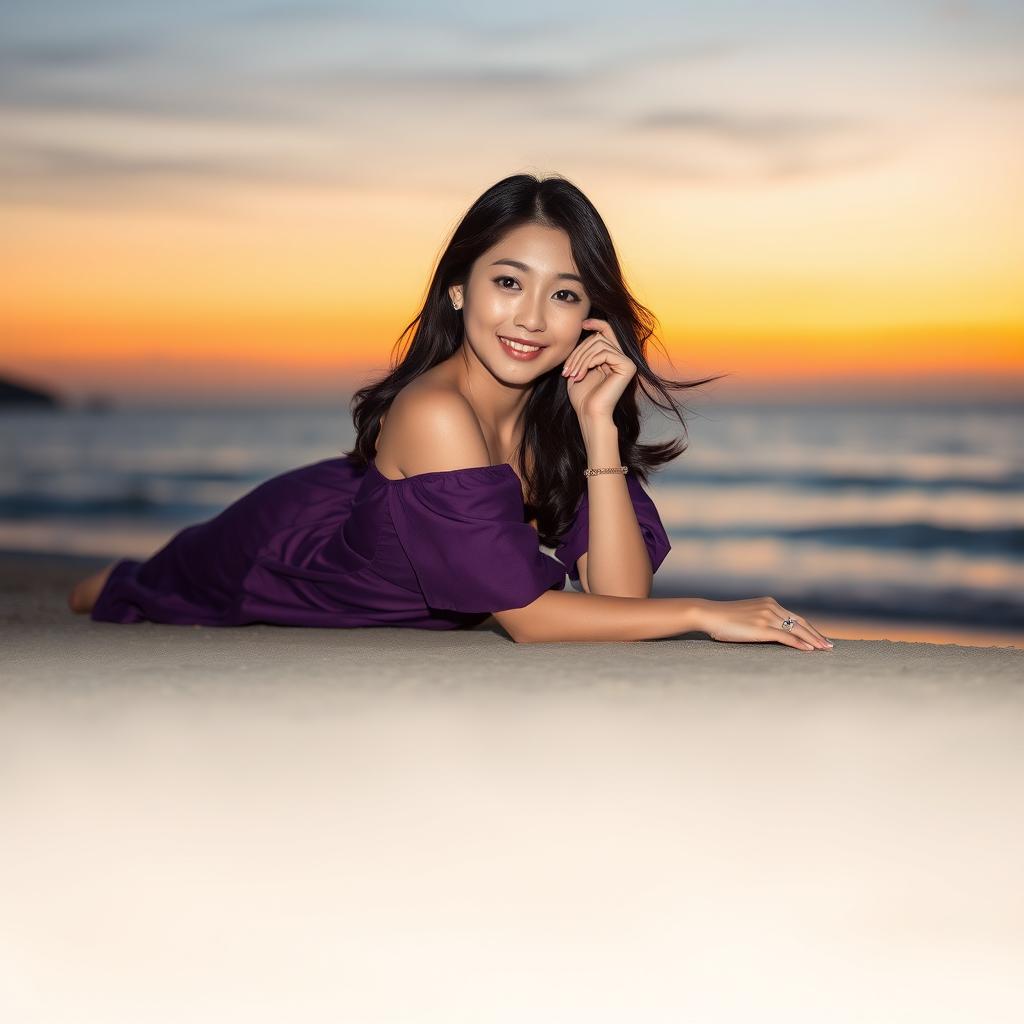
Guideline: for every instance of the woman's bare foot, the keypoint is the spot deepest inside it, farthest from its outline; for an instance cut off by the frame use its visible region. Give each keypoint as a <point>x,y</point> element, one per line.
<point>84,593</point>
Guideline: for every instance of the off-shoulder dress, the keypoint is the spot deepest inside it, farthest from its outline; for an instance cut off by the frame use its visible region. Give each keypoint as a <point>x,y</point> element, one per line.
<point>334,543</point>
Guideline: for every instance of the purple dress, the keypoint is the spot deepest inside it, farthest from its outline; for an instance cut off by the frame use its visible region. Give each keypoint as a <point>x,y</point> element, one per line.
<point>335,544</point>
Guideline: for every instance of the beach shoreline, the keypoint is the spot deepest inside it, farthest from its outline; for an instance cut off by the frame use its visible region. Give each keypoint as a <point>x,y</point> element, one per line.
<point>51,568</point>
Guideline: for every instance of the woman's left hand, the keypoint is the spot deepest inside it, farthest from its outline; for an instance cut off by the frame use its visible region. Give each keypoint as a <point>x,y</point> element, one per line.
<point>605,371</point>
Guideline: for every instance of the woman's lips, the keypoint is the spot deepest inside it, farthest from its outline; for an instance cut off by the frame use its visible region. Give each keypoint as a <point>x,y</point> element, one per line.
<point>516,354</point>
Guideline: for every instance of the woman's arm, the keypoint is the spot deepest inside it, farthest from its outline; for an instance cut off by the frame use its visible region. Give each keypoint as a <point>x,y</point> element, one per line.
<point>616,563</point>
<point>560,615</point>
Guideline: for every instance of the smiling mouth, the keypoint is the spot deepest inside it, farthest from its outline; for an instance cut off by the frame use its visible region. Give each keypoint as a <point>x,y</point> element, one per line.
<point>520,346</point>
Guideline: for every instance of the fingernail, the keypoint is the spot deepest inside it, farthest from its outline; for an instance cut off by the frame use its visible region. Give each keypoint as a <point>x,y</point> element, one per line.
<point>829,642</point>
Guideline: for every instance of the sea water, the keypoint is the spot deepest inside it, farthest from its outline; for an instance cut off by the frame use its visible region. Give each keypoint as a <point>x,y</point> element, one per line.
<point>881,512</point>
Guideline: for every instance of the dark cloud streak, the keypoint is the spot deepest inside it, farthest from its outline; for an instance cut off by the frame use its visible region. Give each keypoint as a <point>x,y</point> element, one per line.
<point>750,129</point>
<point>61,55</point>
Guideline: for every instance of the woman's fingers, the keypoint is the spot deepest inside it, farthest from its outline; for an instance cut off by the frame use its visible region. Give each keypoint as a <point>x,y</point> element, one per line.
<point>756,620</point>
<point>821,636</point>
<point>585,365</point>
<point>802,626</point>
<point>772,635</point>
<point>807,635</point>
<point>792,641</point>
<point>597,357</point>
<point>572,364</point>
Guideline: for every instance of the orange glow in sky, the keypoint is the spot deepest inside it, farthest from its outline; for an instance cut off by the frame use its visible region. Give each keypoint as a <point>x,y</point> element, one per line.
<point>873,225</point>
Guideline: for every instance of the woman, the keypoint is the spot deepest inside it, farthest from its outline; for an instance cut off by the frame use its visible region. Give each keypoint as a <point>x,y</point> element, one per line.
<point>511,422</point>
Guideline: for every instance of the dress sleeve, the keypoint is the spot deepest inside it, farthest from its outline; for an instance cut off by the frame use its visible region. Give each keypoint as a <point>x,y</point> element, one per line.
<point>464,535</point>
<point>576,539</point>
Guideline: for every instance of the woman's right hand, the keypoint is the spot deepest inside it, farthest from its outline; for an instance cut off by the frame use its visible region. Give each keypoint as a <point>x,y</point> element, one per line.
<point>756,620</point>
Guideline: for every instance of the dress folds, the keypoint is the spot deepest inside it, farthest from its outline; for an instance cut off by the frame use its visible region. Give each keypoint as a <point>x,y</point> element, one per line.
<point>467,542</point>
<point>335,544</point>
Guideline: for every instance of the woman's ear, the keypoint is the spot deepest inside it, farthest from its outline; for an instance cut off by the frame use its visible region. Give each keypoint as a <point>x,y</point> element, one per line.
<point>455,294</point>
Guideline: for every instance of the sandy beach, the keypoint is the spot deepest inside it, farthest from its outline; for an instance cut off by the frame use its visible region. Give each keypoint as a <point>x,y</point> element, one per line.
<point>396,825</point>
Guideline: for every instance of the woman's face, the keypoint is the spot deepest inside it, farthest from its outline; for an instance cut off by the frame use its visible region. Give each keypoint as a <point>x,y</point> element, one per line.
<point>525,289</point>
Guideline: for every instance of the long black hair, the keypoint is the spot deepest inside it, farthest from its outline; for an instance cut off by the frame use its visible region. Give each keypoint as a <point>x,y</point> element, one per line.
<point>551,428</point>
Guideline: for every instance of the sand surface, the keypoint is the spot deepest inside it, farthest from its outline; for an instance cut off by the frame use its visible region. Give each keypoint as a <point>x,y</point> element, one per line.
<point>270,824</point>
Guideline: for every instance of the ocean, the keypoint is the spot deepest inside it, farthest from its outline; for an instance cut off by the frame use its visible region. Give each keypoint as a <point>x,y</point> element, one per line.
<point>893,514</point>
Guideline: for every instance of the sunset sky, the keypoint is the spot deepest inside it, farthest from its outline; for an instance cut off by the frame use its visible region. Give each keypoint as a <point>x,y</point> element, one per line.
<point>225,199</point>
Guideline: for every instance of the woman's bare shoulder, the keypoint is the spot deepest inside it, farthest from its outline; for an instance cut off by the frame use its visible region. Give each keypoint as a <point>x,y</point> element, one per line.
<point>429,421</point>
<point>426,394</point>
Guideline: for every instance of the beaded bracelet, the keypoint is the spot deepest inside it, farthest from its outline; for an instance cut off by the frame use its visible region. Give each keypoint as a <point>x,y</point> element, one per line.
<point>610,469</point>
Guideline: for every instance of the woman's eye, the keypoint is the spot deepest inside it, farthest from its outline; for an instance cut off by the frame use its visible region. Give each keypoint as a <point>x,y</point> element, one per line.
<point>562,291</point>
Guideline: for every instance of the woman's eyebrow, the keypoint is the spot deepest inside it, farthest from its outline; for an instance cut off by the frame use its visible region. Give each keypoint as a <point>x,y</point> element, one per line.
<point>523,266</point>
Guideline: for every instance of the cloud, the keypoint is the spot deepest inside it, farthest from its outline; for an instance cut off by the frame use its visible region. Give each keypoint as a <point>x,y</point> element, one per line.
<point>65,54</point>
<point>44,169</point>
<point>105,79</point>
<point>301,11</point>
<point>957,10</point>
<point>743,146</point>
<point>748,129</point>
<point>114,110</point>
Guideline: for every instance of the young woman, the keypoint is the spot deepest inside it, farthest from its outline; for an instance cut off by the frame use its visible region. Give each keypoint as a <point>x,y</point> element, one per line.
<point>511,423</point>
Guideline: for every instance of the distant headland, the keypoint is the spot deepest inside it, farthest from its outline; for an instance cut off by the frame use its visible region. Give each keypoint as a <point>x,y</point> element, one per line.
<point>20,395</point>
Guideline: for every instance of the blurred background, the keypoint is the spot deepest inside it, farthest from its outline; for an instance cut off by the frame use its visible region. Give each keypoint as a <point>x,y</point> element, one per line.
<point>219,217</point>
